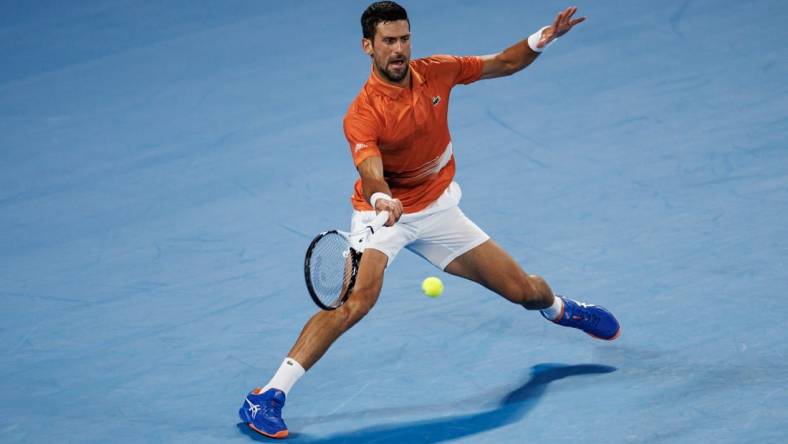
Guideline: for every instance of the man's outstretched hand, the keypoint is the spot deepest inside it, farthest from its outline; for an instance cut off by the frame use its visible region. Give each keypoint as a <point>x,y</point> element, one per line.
<point>562,24</point>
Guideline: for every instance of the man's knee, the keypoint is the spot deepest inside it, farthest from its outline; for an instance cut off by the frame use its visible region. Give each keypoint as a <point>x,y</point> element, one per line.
<point>359,303</point>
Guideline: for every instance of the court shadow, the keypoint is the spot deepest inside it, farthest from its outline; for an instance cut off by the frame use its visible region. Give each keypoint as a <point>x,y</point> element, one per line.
<point>511,408</point>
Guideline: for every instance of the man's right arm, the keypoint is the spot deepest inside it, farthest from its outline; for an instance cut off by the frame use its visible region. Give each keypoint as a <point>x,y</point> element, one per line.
<point>372,181</point>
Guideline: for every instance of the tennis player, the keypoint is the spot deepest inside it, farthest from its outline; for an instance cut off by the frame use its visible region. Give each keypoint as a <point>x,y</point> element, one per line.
<point>399,140</point>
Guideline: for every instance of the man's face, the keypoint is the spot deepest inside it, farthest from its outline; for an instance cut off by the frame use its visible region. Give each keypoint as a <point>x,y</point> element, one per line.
<point>390,50</point>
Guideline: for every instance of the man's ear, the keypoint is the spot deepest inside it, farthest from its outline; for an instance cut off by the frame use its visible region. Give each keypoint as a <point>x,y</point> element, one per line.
<point>366,45</point>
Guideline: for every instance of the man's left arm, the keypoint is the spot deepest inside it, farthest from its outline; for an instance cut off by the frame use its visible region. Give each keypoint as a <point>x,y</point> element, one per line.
<point>522,54</point>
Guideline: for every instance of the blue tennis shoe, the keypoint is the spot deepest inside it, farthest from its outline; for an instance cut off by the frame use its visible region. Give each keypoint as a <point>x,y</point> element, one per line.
<point>262,412</point>
<point>592,319</point>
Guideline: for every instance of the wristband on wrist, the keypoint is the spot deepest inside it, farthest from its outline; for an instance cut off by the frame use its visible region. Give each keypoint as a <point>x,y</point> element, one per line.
<point>534,38</point>
<point>375,196</point>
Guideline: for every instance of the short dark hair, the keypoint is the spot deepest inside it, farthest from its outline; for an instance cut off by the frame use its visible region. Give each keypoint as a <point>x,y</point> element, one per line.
<point>381,12</point>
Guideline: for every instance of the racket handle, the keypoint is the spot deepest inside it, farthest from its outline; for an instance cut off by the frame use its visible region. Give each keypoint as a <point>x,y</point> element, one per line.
<point>378,221</point>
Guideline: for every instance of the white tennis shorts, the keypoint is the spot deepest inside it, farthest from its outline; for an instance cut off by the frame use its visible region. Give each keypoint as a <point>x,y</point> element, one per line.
<point>439,233</point>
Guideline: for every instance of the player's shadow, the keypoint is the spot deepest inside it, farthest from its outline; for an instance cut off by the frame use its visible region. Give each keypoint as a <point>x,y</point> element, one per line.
<point>511,408</point>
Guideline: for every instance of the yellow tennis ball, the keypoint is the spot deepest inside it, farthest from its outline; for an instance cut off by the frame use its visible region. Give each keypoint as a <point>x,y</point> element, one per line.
<point>432,287</point>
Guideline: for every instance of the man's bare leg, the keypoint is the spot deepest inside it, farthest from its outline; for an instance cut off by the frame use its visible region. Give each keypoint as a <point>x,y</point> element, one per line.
<point>262,408</point>
<point>489,265</point>
<point>326,326</point>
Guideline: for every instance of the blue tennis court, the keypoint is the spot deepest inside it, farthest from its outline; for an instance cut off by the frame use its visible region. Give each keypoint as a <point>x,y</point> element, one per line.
<point>164,165</point>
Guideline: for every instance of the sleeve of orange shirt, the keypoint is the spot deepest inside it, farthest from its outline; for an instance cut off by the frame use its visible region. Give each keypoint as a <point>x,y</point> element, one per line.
<point>460,69</point>
<point>361,133</point>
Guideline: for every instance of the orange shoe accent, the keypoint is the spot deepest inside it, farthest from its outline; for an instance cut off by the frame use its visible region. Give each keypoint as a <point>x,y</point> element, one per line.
<point>278,435</point>
<point>257,391</point>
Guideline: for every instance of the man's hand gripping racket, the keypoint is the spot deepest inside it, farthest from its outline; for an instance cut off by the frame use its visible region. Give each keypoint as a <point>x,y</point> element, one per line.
<point>331,263</point>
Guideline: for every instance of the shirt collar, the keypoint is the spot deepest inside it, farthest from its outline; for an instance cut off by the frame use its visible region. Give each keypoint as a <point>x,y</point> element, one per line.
<point>381,86</point>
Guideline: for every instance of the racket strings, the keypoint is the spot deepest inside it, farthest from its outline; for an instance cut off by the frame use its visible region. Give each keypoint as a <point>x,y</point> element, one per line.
<point>331,268</point>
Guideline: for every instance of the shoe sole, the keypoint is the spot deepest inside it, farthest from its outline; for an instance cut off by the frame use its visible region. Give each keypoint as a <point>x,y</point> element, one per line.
<point>613,338</point>
<point>278,435</point>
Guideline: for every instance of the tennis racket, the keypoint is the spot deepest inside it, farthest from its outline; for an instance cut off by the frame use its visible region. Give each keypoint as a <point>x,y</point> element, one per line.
<point>331,263</point>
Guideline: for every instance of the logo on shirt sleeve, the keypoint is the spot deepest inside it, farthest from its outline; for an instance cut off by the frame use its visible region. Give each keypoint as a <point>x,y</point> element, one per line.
<point>359,146</point>
<point>436,100</point>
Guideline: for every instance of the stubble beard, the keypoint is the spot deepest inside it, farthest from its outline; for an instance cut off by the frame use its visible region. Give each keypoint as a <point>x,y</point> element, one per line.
<point>390,76</point>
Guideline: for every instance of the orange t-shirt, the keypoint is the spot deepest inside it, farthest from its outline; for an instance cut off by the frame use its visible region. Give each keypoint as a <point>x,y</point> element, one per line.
<point>408,129</point>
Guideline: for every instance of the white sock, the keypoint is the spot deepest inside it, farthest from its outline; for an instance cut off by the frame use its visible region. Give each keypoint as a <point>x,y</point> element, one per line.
<point>285,378</point>
<point>554,311</point>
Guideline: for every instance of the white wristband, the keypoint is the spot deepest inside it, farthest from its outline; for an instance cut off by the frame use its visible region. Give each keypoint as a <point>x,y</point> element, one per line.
<point>534,38</point>
<point>375,196</point>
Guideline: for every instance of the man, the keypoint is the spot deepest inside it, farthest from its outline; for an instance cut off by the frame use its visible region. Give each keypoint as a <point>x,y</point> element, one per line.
<point>399,140</point>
